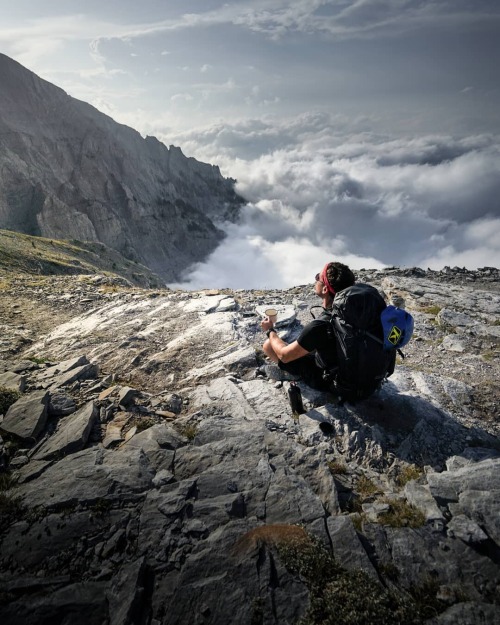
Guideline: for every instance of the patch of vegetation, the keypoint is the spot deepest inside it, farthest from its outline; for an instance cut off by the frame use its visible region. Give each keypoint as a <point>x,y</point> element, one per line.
<point>337,468</point>
<point>7,481</point>
<point>35,514</point>
<point>101,507</point>
<point>357,521</point>
<point>38,361</point>
<point>407,474</point>
<point>401,514</point>
<point>365,487</point>
<point>389,570</point>
<point>271,535</point>
<point>257,611</point>
<point>7,397</point>
<point>431,310</point>
<point>189,430</point>
<point>425,597</point>
<point>489,356</point>
<point>143,423</point>
<point>353,503</point>
<point>341,596</point>
<point>12,509</point>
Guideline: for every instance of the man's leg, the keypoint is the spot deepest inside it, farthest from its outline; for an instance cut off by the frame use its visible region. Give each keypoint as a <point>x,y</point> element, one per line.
<point>269,351</point>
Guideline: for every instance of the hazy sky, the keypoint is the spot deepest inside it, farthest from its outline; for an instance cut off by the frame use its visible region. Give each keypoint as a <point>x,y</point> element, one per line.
<point>365,130</point>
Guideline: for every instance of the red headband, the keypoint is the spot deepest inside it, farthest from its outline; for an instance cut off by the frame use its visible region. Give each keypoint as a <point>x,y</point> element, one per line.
<point>324,279</point>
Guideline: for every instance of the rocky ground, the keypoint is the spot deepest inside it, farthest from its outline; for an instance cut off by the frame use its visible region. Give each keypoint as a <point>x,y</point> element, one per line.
<point>150,477</point>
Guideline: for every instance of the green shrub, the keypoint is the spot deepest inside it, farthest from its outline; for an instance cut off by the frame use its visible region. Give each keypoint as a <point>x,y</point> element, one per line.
<point>7,398</point>
<point>338,596</point>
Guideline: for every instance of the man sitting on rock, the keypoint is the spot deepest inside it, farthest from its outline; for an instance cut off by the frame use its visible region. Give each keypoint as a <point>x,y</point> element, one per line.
<point>314,350</point>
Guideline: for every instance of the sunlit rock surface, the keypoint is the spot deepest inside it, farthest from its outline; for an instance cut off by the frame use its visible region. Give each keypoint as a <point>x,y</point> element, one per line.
<point>167,478</point>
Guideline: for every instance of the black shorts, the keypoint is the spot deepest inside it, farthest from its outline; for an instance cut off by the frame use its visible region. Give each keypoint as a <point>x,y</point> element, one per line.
<point>307,370</point>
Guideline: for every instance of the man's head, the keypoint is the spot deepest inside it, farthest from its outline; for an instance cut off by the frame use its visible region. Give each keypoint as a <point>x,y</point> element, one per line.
<point>334,277</point>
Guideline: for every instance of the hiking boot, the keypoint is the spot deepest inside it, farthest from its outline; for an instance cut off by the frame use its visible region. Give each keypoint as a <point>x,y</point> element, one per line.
<point>273,372</point>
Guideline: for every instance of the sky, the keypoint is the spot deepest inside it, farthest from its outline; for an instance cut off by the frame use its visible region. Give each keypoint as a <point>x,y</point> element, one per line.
<point>365,131</point>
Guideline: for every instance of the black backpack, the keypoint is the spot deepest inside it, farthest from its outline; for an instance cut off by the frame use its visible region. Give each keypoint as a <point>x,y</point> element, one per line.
<point>362,362</point>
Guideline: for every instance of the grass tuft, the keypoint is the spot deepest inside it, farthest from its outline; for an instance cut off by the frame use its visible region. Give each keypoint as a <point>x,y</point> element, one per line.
<point>337,467</point>
<point>407,474</point>
<point>401,514</point>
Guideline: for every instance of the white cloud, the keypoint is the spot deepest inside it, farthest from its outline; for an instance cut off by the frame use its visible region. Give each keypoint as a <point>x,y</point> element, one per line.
<point>181,97</point>
<point>365,200</point>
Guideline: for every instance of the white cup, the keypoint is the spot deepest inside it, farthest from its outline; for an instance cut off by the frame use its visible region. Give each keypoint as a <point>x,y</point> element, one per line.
<point>271,314</point>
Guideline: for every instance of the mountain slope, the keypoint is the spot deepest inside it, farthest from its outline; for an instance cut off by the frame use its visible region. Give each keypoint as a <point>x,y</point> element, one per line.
<point>69,171</point>
<point>149,476</point>
<point>22,254</point>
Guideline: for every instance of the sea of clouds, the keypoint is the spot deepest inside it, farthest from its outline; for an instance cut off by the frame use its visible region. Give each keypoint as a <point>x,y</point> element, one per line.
<point>316,193</point>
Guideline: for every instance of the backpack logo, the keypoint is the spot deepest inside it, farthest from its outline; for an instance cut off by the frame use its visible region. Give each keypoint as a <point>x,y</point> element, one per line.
<point>395,335</point>
<point>397,325</point>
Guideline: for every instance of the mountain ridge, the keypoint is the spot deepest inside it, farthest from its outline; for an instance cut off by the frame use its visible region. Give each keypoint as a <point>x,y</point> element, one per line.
<point>70,171</point>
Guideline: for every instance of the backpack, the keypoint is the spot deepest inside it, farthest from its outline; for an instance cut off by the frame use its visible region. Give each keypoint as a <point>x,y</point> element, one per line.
<point>367,335</point>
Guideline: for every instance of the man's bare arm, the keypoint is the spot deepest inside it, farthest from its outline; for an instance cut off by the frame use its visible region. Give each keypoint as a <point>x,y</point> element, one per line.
<point>286,352</point>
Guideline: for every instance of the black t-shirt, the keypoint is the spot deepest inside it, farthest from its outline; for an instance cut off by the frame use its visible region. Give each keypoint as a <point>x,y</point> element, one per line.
<point>317,337</point>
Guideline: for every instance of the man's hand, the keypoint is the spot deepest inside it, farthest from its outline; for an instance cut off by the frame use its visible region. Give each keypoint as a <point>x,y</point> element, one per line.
<point>266,324</point>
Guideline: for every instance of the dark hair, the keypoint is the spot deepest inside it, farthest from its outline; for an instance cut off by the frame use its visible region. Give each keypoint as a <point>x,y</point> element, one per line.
<point>339,276</point>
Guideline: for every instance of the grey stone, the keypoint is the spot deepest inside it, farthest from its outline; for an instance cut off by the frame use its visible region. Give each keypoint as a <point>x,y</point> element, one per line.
<point>90,475</point>
<point>79,604</point>
<point>454,344</point>
<point>26,418</point>
<point>373,510</point>
<point>469,613</point>
<point>13,381</point>
<point>127,593</point>
<point>204,507</point>
<point>171,402</point>
<point>163,477</point>
<point>347,548</point>
<point>78,373</point>
<point>462,527</point>
<point>482,507</point>
<point>62,367</point>
<point>71,435</point>
<point>126,396</point>
<point>114,431</point>
<point>61,405</point>
<point>23,366</point>
<point>419,495</point>
<point>18,461</point>
<point>227,304</point>
<point>453,318</point>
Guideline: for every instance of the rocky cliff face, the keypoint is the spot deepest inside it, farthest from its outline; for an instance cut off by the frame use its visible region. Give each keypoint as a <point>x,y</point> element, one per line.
<point>68,171</point>
<point>150,477</point>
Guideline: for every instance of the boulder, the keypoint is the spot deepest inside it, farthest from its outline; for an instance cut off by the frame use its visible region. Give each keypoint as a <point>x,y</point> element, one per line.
<point>71,435</point>
<point>26,418</point>
<point>13,381</point>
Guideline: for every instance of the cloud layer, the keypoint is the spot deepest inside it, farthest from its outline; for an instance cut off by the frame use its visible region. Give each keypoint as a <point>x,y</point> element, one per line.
<point>365,200</point>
